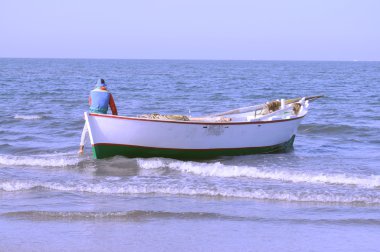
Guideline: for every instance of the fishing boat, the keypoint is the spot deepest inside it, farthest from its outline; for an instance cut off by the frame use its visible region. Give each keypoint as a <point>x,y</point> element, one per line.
<point>264,128</point>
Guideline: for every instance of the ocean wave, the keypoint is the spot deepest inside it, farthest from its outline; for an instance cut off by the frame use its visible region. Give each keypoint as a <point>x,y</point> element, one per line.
<point>133,215</point>
<point>219,170</point>
<point>115,187</point>
<point>28,117</point>
<point>143,215</point>
<point>55,160</point>
<point>336,129</point>
<point>327,128</point>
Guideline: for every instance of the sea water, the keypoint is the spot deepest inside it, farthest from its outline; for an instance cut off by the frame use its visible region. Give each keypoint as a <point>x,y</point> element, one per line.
<point>322,196</point>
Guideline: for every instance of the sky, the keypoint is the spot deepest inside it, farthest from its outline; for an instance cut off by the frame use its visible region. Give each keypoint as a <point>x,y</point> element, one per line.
<point>191,29</point>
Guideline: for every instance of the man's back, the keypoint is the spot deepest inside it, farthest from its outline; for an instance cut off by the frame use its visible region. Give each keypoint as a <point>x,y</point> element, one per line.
<point>100,98</point>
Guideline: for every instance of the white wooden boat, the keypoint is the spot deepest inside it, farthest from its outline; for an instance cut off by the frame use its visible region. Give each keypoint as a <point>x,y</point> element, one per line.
<point>237,132</point>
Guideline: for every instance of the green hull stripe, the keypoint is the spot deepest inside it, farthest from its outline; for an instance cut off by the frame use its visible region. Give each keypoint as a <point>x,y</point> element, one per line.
<point>108,150</point>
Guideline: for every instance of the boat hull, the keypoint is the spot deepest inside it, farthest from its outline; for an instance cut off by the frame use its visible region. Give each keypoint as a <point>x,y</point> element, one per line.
<point>135,137</point>
<point>109,150</point>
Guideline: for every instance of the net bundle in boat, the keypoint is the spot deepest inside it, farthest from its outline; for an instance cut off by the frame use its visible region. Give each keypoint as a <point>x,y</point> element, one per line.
<point>157,116</point>
<point>273,106</point>
<point>270,107</point>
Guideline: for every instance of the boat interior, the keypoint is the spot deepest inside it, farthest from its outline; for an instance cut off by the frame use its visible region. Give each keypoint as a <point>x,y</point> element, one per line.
<point>270,111</point>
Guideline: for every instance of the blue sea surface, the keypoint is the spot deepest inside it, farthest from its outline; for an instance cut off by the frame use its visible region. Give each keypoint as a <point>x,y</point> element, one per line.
<point>322,196</point>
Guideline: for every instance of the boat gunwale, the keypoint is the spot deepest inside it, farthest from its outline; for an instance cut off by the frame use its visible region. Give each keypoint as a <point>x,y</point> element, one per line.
<point>194,122</point>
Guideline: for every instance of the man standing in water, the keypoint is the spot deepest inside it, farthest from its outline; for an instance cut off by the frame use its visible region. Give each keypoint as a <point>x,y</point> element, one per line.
<point>99,100</point>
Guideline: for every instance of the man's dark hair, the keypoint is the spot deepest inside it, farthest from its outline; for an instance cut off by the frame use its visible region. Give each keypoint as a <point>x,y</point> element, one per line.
<point>102,81</point>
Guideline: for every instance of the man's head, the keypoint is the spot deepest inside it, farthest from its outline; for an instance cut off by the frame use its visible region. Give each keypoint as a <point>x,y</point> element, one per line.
<point>100,83</point>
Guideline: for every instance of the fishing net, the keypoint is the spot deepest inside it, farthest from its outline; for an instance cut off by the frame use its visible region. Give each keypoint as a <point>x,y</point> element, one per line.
<point>156,116</point>
<point>296,108</point>
<point>165,117</point>
<point>270,107</point>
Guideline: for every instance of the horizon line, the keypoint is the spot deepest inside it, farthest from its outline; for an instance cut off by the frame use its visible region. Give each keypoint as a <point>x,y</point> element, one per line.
<point>183,59</point>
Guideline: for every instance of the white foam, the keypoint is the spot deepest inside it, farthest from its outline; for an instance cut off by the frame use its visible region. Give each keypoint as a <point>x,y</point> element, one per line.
<point>28,117</point>
<point>113,178</point>
<point>153,163</point>
<point>219,170</point>
<point>50,160</point>
<point>179,189</point>
<point>10,186</point>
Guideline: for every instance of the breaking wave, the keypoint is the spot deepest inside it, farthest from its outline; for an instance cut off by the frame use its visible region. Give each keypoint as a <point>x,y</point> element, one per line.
<point>219,170</point>
<point>116,187</point>
<point>55,160</point>
<point>28,117</point>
